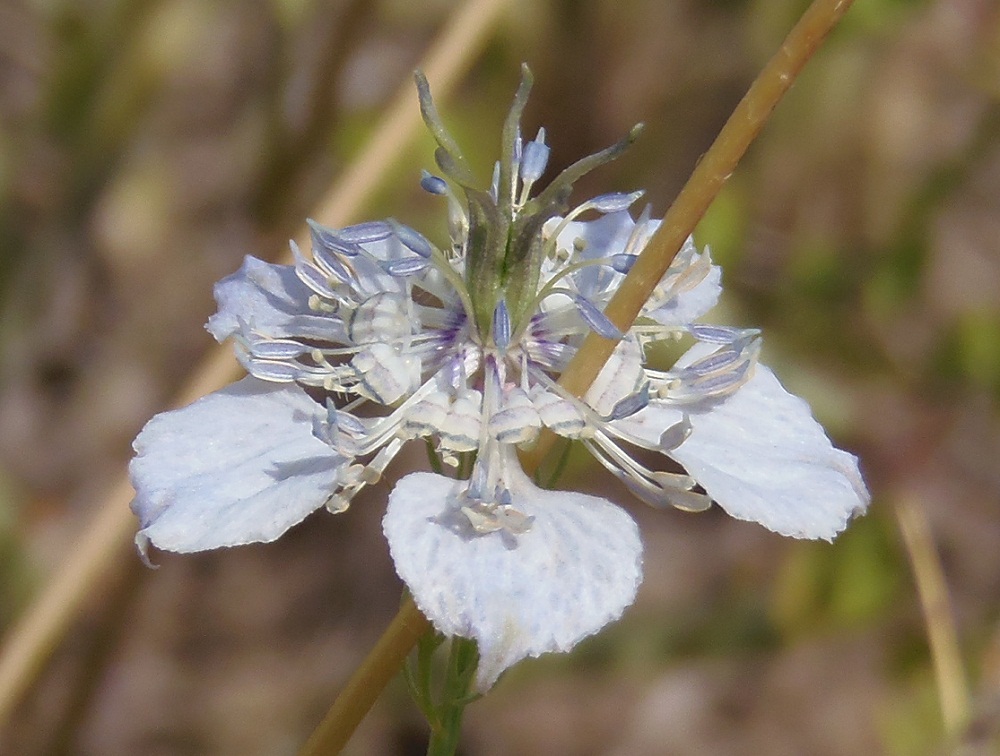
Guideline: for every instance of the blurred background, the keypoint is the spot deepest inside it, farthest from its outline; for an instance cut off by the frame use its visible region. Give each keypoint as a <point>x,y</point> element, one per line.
<point>147,145</point>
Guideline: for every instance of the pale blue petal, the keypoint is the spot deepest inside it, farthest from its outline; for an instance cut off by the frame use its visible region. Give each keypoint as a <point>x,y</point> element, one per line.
<point>574,571</point>
<point>763,457</point>
<point>272,301</point>
<point>237,466</point>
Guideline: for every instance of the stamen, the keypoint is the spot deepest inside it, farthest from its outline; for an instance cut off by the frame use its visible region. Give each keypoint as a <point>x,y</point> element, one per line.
<point>656,488</point>
<point>719,361</point>
<point>433,184</point>
<point>311,276</point>
<point>275,349</point>
<point>596,319</point>
<point>331,240</point>
<point>614,202</point>
<point>713,334</point>
<point>623,263</point>
<point>276,372</point>
<point>675,435</point>
<point>356,477</point>
<point>533,162</point>
<point>630,404</point>
<point>412,240</point>
<point>406,266</point>
<point>366,233</point>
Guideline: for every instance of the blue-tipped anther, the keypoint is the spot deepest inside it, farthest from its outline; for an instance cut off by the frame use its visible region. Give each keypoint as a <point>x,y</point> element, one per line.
<point>596,319</point>
<point>406,266</point>
<point>329,239</point>
<point>614,202</point>
<point>534,158</point>
<point>433,184</point>
<point>412,240</point>
<point>623,263</point>
<point>630,404</point>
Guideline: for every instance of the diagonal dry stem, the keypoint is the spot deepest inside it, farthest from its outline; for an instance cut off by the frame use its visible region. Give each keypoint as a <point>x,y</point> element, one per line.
<point>367,682</point>
<point>942,637</point>
<point>105,540</point>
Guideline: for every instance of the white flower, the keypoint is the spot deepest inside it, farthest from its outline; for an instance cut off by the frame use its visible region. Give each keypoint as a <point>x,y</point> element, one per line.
<point>463,346</point>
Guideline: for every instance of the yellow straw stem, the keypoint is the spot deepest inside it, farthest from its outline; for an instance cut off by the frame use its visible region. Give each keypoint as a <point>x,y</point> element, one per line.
<point>366,684</point>
<point>942,637</point>
<point>709,175</point>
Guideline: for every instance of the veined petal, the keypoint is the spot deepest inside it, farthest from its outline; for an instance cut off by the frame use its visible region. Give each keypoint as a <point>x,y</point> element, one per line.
<point>763,457</point>
<point>575,569</point>
<point>237,466</point>
<point>273,301</point>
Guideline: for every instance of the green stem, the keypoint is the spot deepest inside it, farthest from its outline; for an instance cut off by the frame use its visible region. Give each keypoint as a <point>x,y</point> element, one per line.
<point>463,658</point>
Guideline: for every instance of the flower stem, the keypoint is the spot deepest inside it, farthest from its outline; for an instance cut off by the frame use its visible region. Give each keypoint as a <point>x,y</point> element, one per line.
<point>463,658</point>
<point>707,179</point>
<point>360,692</point>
